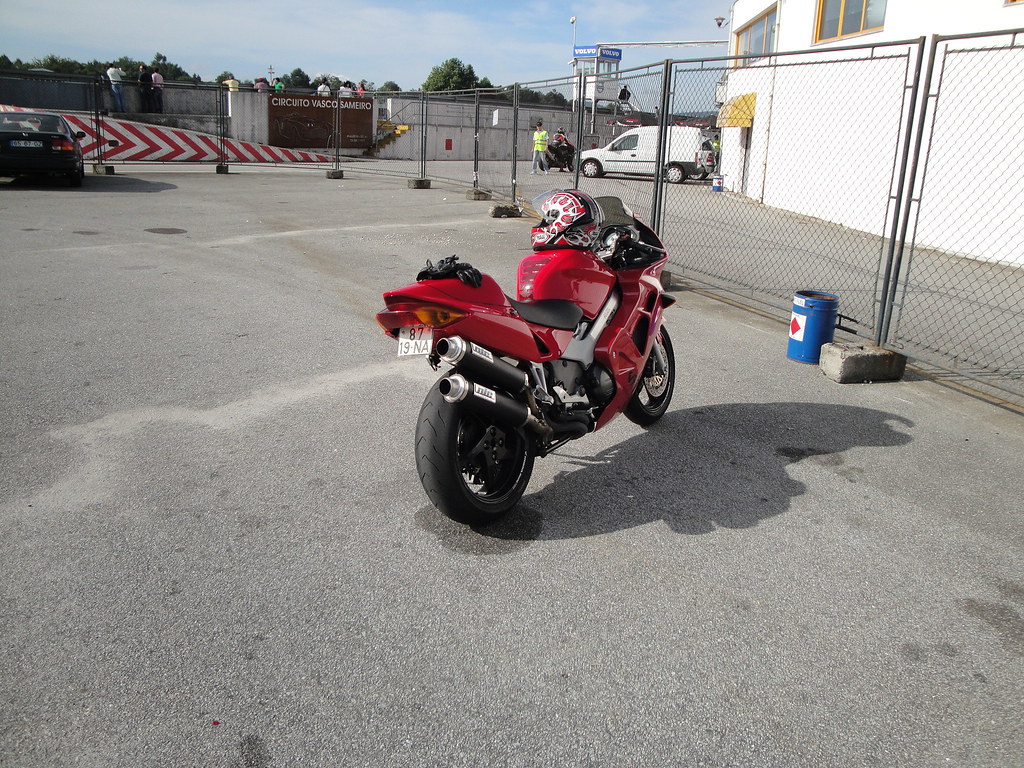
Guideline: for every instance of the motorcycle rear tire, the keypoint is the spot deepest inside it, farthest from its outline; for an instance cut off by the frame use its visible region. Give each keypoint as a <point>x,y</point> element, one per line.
<point>652,397</point>
<point>473,469</point>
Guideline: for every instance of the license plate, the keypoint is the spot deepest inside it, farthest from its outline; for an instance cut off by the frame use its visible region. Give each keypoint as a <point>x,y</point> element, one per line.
<point>414,340</point>
<point>27,144</point>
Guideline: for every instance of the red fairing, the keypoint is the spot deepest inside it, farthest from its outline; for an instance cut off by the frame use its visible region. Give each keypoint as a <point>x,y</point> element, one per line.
<point>576,275</point>
<point>487,315</point>
<point>641,308</point>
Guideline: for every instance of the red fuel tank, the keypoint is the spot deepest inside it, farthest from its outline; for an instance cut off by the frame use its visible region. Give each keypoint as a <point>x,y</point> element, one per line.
<point>577,276</point>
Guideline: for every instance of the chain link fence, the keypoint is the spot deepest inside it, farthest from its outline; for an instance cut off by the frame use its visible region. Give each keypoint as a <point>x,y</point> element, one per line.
<point>891,175</point>
<point>809,155</point>
<point>958,295</point>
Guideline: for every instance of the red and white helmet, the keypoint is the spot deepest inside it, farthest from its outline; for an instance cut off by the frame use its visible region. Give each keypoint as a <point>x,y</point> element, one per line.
<point>569,219</point>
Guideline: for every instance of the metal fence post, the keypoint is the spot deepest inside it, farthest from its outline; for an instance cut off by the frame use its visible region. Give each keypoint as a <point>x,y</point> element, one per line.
<point>662,151</point>
<point>515,137</point>
<point>97,118</point>
<point>476,138</point>
<point>222,128</point>
<point>423,136</point>
<point>904,195</point>
<point>580,122</point>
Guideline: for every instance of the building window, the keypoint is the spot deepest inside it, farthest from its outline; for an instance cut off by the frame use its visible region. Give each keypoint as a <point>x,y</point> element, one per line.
<point>757,38</point>
<point>842,18</point>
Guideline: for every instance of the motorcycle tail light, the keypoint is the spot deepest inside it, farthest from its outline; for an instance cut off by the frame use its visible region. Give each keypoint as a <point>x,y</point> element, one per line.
<point>527,275</point>
<point>430,316</point>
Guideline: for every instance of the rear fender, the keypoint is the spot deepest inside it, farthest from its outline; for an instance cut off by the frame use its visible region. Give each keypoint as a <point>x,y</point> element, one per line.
<point>486,317</point>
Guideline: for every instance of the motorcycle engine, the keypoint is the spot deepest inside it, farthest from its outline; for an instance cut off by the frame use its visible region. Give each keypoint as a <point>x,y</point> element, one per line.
<point>600,384</point>
<point>567,375</point>
<point>578,388</point>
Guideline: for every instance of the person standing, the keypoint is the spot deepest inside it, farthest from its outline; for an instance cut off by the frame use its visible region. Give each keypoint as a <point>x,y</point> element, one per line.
<point>278,85</point>
<point>145,88</point>
<point>116,76</point>
<point>158,90</point>
<point>540,148</point>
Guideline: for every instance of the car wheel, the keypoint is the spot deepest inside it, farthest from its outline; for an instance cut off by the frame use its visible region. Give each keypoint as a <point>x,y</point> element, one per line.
<point>591,169</point>
<point>675,174</point>
<point>76,176</point>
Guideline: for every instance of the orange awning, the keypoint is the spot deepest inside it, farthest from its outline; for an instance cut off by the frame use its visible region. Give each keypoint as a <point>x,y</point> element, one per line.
<point>737,112</point>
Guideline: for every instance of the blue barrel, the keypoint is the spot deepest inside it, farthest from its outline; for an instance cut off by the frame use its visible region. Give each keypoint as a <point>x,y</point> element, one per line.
<point>717,182</point>
<point>813,324</point>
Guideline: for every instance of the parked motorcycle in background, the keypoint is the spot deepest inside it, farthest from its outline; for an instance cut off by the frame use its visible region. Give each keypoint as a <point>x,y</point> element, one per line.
<point>561,152</point>
<point>582,342</point>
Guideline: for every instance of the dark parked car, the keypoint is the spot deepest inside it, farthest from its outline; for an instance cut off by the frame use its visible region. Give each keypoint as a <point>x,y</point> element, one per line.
<point>40,144</point>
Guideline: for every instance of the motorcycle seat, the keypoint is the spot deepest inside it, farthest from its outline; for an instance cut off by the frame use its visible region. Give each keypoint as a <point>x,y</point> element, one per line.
<point>551,313</point>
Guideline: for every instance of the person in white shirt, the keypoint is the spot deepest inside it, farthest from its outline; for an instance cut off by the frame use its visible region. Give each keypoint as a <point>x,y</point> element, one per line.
<point>115,75</point>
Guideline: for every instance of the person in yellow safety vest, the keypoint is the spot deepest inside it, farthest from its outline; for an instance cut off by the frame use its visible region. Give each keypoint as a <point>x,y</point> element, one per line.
<point>540,146</point>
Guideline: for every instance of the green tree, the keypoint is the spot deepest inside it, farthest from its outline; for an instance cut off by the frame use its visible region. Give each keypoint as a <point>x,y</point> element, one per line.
<point>451,75</point>
<point>390,85</point>
<point>225,75</point>
<point>530,96</point>
<point>333,81</point>
<point>297,79</point>
<point>170,70</point>
<point>58,64</point>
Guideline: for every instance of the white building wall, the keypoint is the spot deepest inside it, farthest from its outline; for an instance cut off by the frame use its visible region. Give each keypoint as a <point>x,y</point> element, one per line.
<point>825,137</point>
<point>972,187</point>
<point>904,20</point>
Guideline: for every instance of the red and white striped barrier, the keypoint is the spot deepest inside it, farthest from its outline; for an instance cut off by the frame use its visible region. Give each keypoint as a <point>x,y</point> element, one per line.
<point>142,142</point>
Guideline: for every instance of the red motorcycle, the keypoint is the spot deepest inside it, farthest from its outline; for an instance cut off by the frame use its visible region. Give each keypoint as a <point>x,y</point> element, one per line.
<point>582,342</point>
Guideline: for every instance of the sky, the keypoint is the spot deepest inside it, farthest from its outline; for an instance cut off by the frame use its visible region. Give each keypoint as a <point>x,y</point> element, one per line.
<point>396,40</point>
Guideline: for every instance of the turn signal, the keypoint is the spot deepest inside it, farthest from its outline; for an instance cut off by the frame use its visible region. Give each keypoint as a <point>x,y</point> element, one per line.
<point>64,145</point>
<point>529,267</point>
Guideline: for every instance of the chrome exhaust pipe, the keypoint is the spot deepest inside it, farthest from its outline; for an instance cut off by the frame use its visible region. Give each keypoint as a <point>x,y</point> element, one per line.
<point>481,363</point>
<point>485,401</point>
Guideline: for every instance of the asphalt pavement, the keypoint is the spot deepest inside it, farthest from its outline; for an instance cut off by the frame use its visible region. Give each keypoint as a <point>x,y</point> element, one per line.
<point>215,551</point>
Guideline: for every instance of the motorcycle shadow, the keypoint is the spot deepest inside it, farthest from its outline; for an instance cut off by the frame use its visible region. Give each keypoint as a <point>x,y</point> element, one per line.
<point>698,470</point>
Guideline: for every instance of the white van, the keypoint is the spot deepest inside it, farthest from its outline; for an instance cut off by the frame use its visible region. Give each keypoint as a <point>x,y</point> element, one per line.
<point>635,152</point>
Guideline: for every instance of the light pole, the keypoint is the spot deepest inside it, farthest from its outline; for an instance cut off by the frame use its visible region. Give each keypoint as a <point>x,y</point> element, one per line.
<point>572,20</point>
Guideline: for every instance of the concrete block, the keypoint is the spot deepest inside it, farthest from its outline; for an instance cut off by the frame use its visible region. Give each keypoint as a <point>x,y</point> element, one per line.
<point>419,183</point>
<point>505,211</point>
<point>339,174</point>
<point>222,168</point>
<point>858,363</point>
<point>103,170</point>
<point>478,194</point>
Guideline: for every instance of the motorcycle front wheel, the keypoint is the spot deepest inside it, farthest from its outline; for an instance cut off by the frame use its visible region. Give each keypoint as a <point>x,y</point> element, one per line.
<point>653,395</point>
<point>473,469</point>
